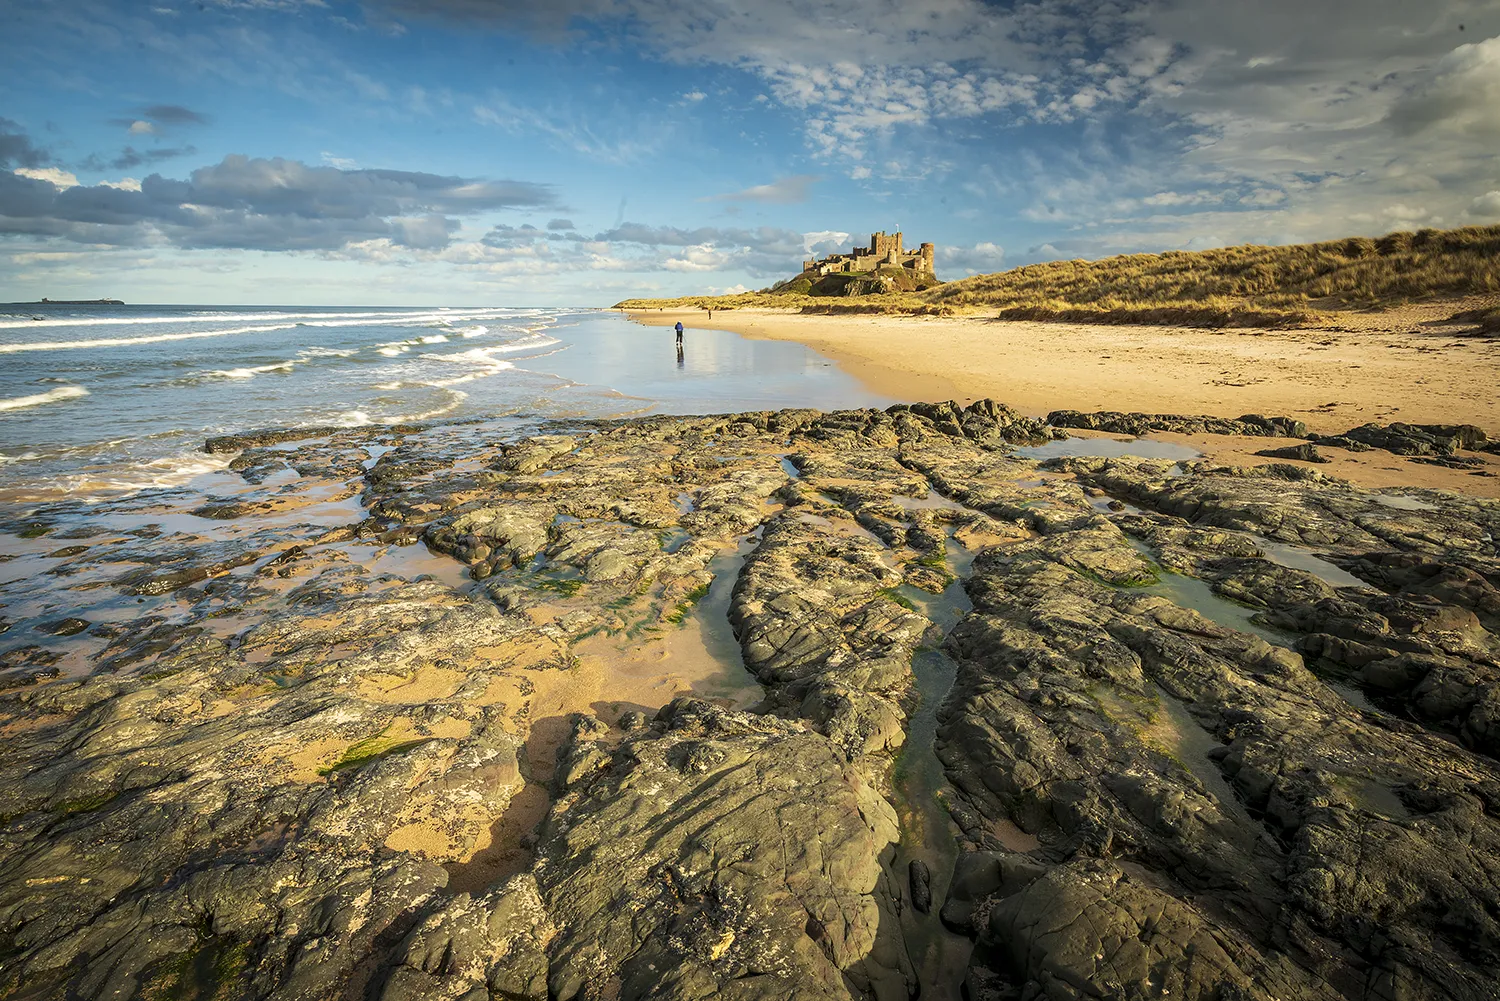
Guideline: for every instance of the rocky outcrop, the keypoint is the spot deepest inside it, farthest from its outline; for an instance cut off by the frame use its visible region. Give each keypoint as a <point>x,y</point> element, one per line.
<point>1140,424</point>
<point>471,711</point>
<point>1305,452</point>
<point>1410,439</point>
<point>819,625</point>
<point>718,854</point>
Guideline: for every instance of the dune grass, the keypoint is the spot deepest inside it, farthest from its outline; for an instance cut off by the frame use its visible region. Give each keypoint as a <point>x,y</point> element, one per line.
<point>1232,286</point>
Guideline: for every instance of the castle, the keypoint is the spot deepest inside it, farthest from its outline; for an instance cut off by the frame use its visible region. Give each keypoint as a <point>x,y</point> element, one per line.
<point>883,252</point>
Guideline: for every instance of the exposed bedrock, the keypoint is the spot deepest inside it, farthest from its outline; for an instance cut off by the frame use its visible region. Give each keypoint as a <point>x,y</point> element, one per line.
<point>1212,819</point>
<point>817,630</point>
<point>719,854</point>
<point>1140,424</point>
<point>438,713</point>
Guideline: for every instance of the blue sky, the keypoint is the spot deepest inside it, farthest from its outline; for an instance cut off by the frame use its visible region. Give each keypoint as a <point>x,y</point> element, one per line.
<point>512,152</point>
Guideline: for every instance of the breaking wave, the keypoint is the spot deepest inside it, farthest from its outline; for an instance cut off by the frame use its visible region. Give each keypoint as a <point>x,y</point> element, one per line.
<point>51,396</point>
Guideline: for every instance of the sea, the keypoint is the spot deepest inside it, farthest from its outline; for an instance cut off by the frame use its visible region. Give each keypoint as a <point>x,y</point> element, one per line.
<point>97,402</point>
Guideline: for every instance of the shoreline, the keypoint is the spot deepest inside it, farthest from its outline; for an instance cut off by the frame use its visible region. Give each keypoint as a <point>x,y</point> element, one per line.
<point>1378,368</point>
<point>1163,371</point>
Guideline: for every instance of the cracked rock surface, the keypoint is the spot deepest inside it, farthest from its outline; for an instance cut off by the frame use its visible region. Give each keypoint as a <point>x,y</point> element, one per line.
<point>625,709</point>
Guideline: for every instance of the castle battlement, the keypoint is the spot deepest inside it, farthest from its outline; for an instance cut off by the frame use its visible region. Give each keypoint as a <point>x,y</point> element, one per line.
<point>884,251</point>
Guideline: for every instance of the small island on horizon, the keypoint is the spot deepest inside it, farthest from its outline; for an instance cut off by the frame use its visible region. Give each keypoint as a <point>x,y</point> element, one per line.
<point>70,302</point>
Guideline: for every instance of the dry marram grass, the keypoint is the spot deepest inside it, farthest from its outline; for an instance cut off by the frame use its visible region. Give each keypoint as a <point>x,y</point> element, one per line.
<point>1232,286</point>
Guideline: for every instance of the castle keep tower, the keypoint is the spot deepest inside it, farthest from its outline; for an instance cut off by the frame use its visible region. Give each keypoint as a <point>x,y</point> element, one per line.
<point>886,249</point>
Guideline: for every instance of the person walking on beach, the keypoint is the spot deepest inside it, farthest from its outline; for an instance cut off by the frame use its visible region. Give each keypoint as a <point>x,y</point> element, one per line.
<point>679,333</point>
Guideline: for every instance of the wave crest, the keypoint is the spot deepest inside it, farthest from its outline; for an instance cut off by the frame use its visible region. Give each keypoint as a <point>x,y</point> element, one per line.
<point>51,396</point>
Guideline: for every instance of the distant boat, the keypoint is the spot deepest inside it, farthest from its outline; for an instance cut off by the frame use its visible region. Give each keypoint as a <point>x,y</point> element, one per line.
<point>72,302</point>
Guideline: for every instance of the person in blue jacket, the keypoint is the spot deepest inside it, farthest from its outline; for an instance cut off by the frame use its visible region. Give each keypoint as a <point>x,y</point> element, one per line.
<point>679,333</point>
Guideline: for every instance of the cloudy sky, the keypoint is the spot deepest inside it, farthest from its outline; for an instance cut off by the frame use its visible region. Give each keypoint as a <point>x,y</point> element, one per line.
<point>519,152</point>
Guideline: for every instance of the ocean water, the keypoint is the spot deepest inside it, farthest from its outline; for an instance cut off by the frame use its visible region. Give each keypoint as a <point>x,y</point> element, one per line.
<point>96,401</point>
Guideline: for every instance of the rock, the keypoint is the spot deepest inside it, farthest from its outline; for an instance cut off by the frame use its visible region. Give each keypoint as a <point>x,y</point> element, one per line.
<point>301,756</point>
<point>1138,424</point>
<point>1413,439</point>
<point>629,874</point>
<point>1088,926</point>
<point>70,626</point>
<point>1450,461</point>
<point>817,624</point>
<point>259,439</point>
<point>1110,724</point>
<point>1302,453</point>
<point>920,878</point>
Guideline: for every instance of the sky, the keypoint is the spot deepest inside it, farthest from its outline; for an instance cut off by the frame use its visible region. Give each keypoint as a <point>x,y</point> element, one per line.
<point>577,152</point>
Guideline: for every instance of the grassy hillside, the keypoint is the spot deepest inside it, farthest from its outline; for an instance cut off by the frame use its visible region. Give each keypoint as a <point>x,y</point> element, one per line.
<point>1233,286</point>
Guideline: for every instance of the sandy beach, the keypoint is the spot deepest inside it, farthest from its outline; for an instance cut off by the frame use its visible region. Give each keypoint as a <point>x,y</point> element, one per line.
<point>1399,365</point>
<point>1394,367</point>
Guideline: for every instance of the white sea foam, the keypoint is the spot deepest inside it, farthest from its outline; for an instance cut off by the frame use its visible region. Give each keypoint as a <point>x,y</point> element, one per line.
<point>209,317</point>
<point>480,358</point>
<point>455,397</point>
<point>348,320</point>
<point>50,396</point>
<point>250,373</point>
<point>116,481</point>
<point>433,339</point>
<point>527,343</point>
<point>476,331</point>
<point>119,342</point>
<point>7,460</point>
<point>353,419</point>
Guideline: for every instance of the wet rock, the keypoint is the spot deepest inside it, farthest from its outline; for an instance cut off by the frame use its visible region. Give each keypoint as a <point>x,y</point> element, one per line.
<point>1111,724</point>
<point>70,626</point>
<point>920,879</point>
<point>270,436</point>
<point>817,624</point>
<point>325,772</point>
<point>628,870</point>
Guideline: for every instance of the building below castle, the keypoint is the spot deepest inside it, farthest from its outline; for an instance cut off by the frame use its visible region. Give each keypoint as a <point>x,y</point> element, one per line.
<point>884,251</point>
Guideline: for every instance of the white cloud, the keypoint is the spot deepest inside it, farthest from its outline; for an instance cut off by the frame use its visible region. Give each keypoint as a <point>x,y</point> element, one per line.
<point>1399,213</point>
<point>1486,206</point>
<point>1462,95</point>
<point>1174,198</point>
<point>694,96</point>
<point>981,258</point>
<point>697,259</point>
<point>58,178</point>
<point>140,128</point>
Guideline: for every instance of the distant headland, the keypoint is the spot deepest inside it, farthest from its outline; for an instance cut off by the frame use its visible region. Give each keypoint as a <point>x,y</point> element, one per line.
<point>71,302</point>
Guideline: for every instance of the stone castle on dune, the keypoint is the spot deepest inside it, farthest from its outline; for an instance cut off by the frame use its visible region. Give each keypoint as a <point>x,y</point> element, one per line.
<point>884,251</point>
